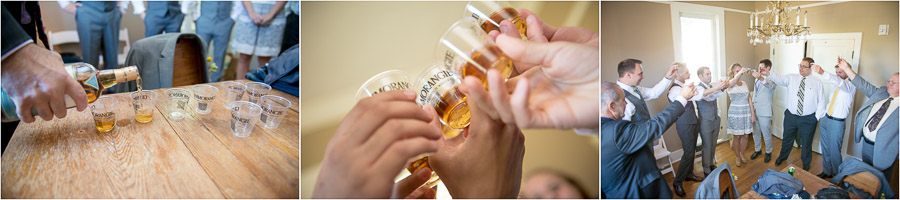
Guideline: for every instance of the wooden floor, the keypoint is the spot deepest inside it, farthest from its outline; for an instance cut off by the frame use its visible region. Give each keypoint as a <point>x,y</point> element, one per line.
<point>748,173</point>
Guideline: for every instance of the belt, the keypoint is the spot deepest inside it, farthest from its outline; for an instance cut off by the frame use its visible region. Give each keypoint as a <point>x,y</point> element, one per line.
<point>834,118</point>
<point>869,141</point>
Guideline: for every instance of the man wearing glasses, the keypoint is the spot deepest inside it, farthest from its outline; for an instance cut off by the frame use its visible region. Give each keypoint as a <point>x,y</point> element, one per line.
<point>876,121</point>
<point>805,106</point>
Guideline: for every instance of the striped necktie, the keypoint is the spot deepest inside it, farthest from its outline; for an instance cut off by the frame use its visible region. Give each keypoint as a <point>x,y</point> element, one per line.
<point>800,97</point>
<point>873,122</point>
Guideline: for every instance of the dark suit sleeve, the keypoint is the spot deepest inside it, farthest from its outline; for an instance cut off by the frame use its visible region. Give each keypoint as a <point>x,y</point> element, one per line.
<point>635,136</point>
<point>12,34</point>
<point>864,86</point>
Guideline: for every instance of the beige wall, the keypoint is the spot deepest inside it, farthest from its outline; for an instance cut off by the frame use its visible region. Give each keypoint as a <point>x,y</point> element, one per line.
<point>345,43</point>
<point>878,54</point>
<point>648,36</point>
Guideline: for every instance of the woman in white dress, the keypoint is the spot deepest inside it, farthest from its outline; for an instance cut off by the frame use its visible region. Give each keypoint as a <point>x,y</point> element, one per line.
<point>740,115</point>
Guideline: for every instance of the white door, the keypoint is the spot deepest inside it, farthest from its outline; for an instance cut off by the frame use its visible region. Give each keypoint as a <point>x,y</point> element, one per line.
<point>785,58</point>
<point>825,49</point>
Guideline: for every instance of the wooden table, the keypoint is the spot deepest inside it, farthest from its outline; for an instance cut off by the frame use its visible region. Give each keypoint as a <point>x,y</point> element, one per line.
<point>194,157</point>
<point>811,182</point>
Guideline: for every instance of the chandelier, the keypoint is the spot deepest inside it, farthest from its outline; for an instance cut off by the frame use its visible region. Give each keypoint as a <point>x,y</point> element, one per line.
<point>774,25</point>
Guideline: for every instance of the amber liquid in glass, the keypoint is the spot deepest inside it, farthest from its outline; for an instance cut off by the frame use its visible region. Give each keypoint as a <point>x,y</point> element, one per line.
<point>502,14</point>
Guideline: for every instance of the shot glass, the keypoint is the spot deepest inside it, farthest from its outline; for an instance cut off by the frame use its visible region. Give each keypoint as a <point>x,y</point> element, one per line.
<point>104,112</point>
<point>468,51</point>
<point>383,82</point>
<point>439,87</point>
<point>204,96</point>
<point>142,101</point>
<point>235,91</point>
<point>244,116</point>
<point>274,108</point>
<point>257,90</point>
<point>178,100</point>
<point>489,14</point>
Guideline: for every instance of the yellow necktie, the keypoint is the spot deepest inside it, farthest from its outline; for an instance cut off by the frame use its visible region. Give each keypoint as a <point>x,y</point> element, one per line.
<point>831,105</point>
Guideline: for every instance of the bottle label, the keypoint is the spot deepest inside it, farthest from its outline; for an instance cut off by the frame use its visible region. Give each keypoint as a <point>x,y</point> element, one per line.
<point>92,82</point>
<point>9,107</point>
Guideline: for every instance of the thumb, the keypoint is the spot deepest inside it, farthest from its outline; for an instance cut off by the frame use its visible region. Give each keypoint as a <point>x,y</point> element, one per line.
<point>560,60</point>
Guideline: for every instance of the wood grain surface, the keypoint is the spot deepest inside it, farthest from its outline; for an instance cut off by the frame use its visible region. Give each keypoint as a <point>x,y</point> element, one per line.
<point>194,157</point>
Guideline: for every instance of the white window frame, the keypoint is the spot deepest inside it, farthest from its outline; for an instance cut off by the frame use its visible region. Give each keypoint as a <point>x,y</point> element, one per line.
<point>718,13</point>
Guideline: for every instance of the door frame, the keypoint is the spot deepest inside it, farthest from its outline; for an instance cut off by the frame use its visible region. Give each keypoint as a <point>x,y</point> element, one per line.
<point>853,61</point>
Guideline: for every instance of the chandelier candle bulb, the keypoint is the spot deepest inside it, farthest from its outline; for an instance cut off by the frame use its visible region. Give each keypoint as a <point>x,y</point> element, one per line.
<point>805,18</point>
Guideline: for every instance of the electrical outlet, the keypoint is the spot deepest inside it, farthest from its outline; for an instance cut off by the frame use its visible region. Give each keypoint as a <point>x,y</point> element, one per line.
<point>883,29</point>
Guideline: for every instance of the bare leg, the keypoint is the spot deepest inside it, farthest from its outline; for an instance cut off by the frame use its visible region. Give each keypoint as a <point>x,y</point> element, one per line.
<point>243,66</point>
<point>262,60</point>
<point>744,147</point>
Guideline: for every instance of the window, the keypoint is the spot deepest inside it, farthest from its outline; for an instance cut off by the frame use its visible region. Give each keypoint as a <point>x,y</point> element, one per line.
<point>697,31</point>
<point>697,34</point>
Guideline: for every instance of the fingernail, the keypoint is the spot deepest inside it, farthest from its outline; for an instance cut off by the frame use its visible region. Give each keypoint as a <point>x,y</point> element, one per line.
<point>409,93</point>
<point>425,173</point>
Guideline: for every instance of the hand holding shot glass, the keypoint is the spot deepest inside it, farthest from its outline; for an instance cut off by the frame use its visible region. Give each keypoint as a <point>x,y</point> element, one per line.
<point>438,87</point>
<point>388,81</point>
<point>499,11</point>
<point>468,51</point>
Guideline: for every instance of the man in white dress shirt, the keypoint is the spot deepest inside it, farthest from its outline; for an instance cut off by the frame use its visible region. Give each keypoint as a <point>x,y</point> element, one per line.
<point>805,106</point>
<point>831,128</point>
<point>631,73</point>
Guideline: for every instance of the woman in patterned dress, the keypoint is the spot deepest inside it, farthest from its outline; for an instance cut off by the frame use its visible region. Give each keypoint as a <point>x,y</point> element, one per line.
<point>740,115</point>
<point>258,30</point>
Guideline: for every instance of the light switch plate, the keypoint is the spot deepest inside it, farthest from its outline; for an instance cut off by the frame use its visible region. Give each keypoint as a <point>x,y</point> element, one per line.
<point>883,29</point>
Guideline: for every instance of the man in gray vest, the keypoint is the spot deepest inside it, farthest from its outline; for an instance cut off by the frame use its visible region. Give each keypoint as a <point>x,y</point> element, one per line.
<point>214,27</point>
<point>875,125</point>
<point>762,102</point>
<point>709,114</point>
<point>162,16</point>
<point>627,164</point>
<point>687,126</point>
<point>631,73</point>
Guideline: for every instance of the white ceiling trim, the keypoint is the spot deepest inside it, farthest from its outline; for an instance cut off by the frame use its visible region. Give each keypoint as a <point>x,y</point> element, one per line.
<point>748,12</point>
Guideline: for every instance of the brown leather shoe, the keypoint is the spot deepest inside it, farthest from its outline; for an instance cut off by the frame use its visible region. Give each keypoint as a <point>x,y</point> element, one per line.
<point>694,178</point>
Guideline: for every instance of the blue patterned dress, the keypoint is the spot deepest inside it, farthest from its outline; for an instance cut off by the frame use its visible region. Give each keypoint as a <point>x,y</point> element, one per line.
<point>739,111</point>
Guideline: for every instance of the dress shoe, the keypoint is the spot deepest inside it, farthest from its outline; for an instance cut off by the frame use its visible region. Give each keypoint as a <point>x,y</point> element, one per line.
<point>823,175</point>
<point>778,161</point>
<point>694,178</point>
<point>754,155</point>
<point>738,162</point>
<point>679,190</point>
<point>768,157</point>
